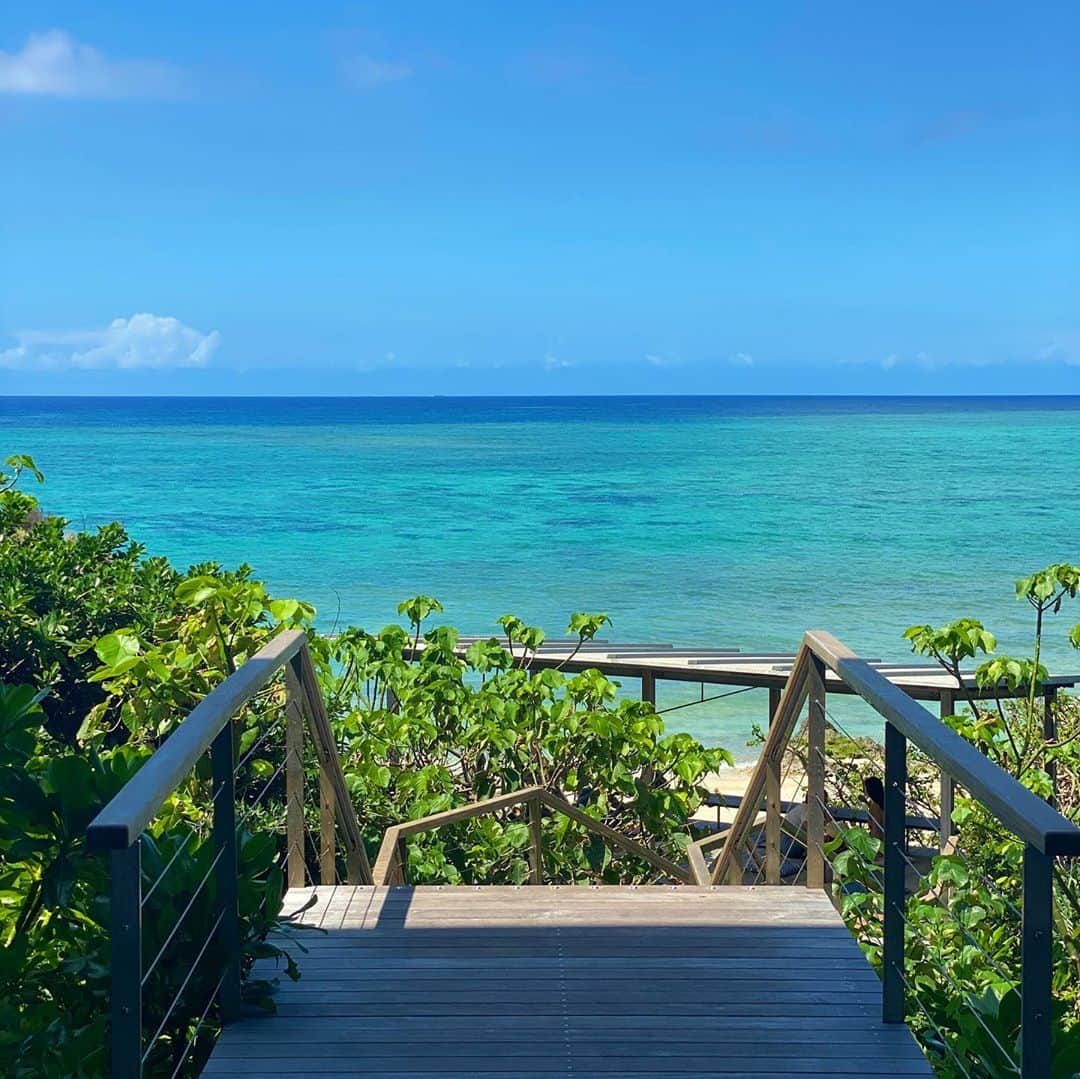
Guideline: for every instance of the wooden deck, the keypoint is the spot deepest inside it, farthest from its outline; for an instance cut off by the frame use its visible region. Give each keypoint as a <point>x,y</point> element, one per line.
<point>765,670</point>
<point>573,981</point>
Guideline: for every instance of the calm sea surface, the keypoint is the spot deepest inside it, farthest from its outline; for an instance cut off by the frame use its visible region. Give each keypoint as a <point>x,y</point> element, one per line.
<point>705,521</point>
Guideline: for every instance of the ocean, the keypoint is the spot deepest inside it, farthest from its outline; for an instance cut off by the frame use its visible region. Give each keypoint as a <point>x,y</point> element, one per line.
<point>712,521</point>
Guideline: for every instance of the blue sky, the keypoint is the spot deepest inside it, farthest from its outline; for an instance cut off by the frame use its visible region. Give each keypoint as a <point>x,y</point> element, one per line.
<point>549,198</point>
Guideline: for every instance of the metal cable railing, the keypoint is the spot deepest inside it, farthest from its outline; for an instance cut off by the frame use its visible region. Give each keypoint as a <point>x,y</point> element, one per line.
<point>910,967</point>
<point>850,782</point>
<point>203,926</point>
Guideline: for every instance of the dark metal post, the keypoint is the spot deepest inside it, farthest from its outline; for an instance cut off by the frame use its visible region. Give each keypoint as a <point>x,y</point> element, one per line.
<point>815,777</point>
<point>948,786</point>
<point>892,1000</point>
<point>221,759</point>
<point>126,939</point>
<point>1037,963</point>
<point>648,687</point>
<point>1050,735</point>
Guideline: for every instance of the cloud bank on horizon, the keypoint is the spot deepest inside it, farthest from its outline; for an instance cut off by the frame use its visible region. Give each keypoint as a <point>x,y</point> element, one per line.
<point>141,342</point>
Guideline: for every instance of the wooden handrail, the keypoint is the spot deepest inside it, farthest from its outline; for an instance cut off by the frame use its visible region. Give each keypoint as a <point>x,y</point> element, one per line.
<point>776,743</point>
<point>631,846</point>
<point>125,818</point>
<point>390,867</point>
<point>120,825</point>
<point>358,869</point>
<point>1019,809</point>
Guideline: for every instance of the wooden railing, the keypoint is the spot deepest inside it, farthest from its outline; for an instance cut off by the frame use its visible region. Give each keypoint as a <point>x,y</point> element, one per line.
<point>120,827</point>
<point>391,865</point>
<point>1046,834</point>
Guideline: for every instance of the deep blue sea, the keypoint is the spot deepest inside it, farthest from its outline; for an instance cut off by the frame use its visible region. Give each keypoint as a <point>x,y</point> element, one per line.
<point>705,521</point>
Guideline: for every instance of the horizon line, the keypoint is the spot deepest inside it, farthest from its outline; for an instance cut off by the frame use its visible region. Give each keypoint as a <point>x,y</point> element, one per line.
<point>526,396</point>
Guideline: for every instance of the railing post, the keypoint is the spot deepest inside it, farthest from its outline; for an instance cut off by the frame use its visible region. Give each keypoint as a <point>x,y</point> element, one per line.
<point>536,855</point>
<point>222,768</point>
<point>1050,736</point>
<point>947,788</point>
<point>893,1002</point>
<point>815,777</point>
<point>125,928</point>
<point>294,772</point>
<point>1037,964</point>
<point>772,804</point>
<point>327,830</point>
<point>648,687</point>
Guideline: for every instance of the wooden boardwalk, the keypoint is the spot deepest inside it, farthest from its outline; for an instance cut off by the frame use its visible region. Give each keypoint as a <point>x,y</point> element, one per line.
<point>573,981</point>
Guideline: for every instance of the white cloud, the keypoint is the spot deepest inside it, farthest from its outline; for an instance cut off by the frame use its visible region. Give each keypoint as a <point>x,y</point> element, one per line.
<point>366,73</point>
<point>1064,347</point>
<point>556,363</point>
<point>54,64</point>
<point>140,342</point>
<point>742,359</point>
<point>654,359</point>
<point>889,362</point>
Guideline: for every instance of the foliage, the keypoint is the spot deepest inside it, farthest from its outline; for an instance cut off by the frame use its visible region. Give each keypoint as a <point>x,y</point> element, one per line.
<point>420,738</point>
<point>103,651</point>
<point>963,927</point>
<point>58,589</point>
<point>84,618</point>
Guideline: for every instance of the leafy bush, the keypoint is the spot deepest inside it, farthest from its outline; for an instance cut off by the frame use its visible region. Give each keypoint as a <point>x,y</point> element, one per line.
<point>419,738</point>
<point>103,651</point>
<point>60,590</point>
<point>963,930</point>
<point>77,612</point>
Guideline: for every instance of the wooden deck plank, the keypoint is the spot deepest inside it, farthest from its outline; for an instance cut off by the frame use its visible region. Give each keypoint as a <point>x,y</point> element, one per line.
<point>571,981</point>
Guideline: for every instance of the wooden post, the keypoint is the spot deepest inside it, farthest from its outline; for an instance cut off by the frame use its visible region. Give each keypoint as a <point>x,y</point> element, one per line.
<point>772,804</point>
<point>948,787</point>
<point>294,774</point>
<point>327,830</point>
<point>893,1004</point>
<point>815,777</point>
<point>357,869</point>
<point>536,856</point>
<point>648,687</point>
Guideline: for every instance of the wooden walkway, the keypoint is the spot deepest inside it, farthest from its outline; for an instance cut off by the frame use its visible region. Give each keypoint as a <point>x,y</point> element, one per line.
<point>573,981</point>
<point>754,669</point>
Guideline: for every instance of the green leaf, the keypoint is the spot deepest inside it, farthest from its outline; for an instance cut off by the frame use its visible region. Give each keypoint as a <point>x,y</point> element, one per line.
<point>117,646</point>
<point>283,610</point>
<point>195,591</point>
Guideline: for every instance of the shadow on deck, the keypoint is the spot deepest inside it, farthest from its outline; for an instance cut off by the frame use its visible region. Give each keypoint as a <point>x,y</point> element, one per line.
<point>572,981</point>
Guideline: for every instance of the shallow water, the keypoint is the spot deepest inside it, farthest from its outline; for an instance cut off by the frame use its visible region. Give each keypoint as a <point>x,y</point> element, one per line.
<point>706,521</point>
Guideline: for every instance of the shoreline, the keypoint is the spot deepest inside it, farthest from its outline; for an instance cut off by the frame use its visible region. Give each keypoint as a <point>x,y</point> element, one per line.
<point>734,780</point>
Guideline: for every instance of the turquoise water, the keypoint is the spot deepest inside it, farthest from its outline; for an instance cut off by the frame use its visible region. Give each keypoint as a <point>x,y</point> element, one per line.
<point>707,521</point>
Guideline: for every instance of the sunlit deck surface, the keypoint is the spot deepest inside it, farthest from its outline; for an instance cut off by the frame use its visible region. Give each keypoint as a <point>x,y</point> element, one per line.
<point>734,666</point>
<point>544,980</point>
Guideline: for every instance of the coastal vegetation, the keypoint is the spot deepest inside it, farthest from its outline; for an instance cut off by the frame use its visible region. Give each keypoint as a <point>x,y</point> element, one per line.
<point>104,650</point>
<point>964,908</point>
